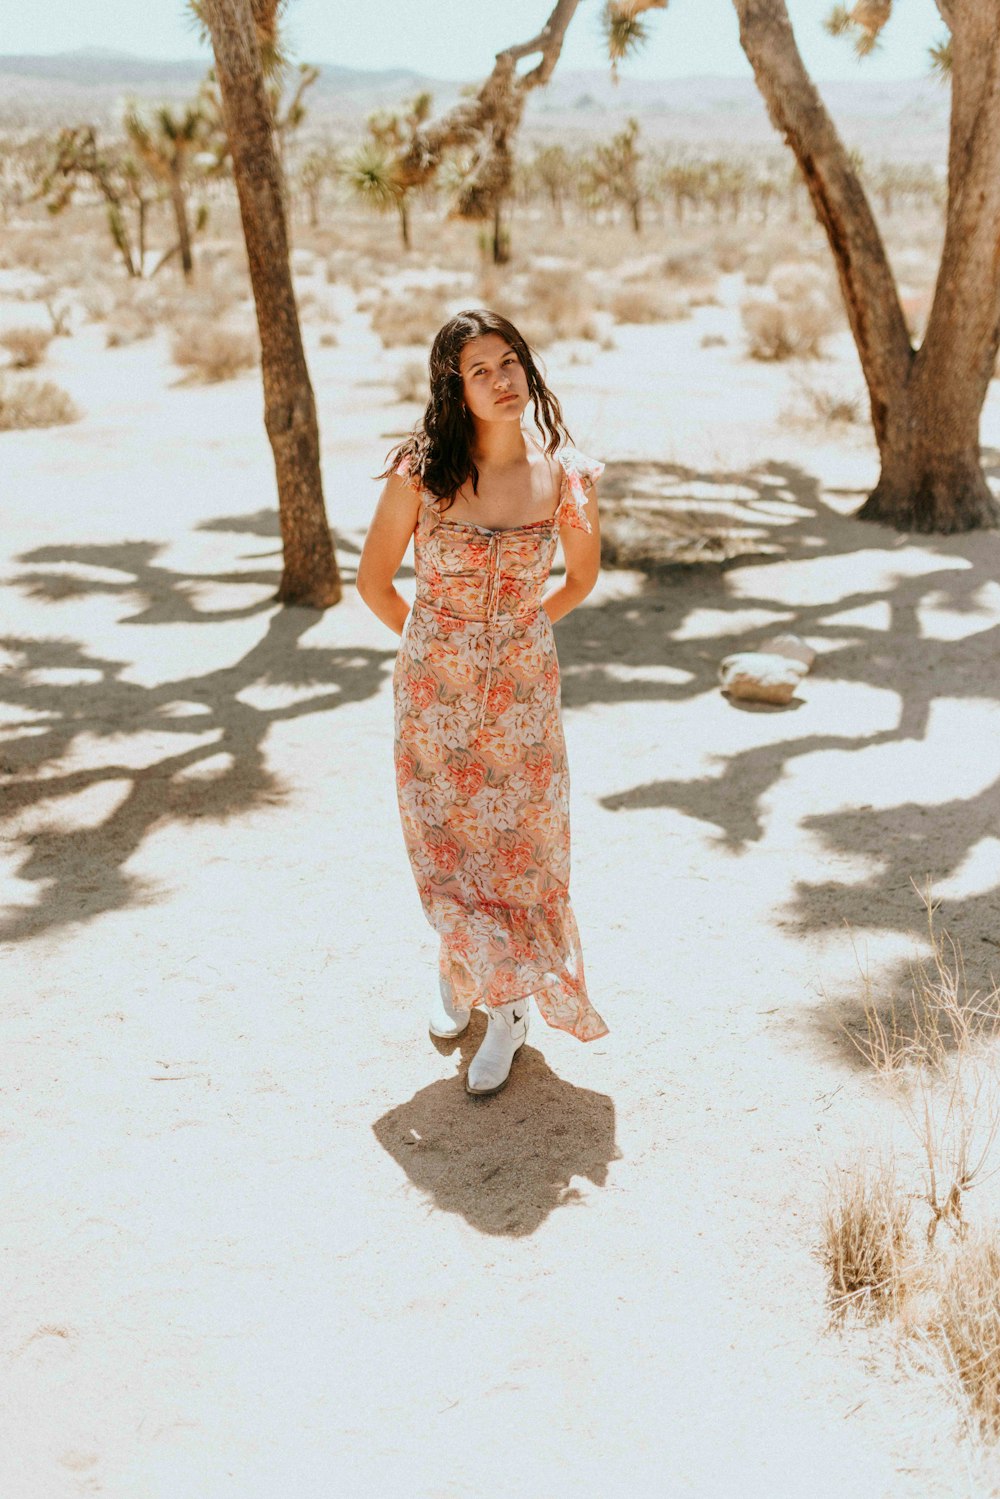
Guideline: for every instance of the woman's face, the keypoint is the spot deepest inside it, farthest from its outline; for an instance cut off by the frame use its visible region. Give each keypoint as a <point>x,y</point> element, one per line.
<point>494,381</point>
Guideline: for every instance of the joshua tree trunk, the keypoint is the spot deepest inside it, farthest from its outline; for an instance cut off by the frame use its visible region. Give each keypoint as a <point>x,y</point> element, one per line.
<point>179,204</point>
<point>501,237</point>
<point>925,403</point>
<point>310,566</point>
<point>404,220</point>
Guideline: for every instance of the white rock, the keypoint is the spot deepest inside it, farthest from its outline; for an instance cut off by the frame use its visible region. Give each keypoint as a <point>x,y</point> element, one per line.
<point>792,647</point>
<point>761,677</point>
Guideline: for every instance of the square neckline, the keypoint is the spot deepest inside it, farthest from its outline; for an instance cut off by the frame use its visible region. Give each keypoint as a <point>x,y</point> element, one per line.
<point>470,525</point>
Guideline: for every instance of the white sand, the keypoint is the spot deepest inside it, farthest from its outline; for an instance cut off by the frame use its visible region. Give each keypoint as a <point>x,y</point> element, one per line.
<point>257,1241</point>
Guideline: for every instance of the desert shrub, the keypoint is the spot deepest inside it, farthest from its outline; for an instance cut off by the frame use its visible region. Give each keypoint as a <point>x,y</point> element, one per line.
<point>728,253</point>
<point>794,319</point>
<point>411,318</point>
<point>130,320</point>
<point>646,302</point>
<point>556,304</point>
<point>214,351</point>
<point>411,381</point>
<point>684,265</point>
<point>26,346</point>
<point>97,301</point>
<point>34,403</point>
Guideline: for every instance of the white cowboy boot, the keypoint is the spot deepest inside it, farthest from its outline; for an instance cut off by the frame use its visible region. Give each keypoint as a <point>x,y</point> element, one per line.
<point>506,1032</point>
<point>447,1019</point>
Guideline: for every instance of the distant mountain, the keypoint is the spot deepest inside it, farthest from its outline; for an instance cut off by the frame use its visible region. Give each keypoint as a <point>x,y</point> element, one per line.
<point>906,120</point>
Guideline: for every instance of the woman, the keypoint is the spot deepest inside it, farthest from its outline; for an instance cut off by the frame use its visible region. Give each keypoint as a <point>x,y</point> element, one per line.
<point>481,773</point>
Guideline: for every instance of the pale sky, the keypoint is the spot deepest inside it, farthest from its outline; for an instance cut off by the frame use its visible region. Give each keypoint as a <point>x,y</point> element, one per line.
<point>435,36</point>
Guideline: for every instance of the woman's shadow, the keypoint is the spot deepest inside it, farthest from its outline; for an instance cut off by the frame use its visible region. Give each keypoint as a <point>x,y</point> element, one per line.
<point>503,1162</point>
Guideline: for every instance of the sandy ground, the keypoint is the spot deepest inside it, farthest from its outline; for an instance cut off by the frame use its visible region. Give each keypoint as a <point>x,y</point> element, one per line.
<point>257,1241</point>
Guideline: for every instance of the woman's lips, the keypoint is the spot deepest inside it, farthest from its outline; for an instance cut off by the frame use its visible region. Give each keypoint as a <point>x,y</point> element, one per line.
<point>501,399</point>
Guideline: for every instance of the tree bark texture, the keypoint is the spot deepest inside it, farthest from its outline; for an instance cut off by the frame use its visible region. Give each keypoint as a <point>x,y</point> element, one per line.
<point>179,204</point>
<point>310,575</point>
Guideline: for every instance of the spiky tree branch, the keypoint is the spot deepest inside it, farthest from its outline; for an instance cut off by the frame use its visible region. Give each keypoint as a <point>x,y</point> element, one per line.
<point>488,122</point>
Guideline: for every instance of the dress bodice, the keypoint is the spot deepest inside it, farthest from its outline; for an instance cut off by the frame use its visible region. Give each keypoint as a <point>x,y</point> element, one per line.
<point>481,573</point>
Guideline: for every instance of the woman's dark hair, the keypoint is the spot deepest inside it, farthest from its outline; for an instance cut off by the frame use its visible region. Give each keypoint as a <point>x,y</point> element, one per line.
<point>438,447</point>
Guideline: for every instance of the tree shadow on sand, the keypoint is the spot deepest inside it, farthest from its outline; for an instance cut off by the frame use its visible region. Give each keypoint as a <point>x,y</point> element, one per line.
<point>660,645</point>
<point>868,636</point>
<point>199,739</point>
<point>503,1163</point>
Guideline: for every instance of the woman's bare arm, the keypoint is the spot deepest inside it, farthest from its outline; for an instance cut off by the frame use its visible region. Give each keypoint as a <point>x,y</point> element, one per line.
<point>582,553</point>
<point>392,526</point>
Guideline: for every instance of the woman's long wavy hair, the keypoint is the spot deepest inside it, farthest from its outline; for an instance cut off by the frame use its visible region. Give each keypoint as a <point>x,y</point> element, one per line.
<point>438,448</point>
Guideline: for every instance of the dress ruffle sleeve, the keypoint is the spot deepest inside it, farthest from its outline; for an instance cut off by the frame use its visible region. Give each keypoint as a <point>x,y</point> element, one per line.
<point>403,471</point>
<point>582,474</point>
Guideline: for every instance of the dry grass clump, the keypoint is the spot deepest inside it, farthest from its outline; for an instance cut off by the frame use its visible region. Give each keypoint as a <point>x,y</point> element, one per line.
<point>966,1325</point>
<point>646,302</point>
<point>214,351</point>
<point>794,319</point>
<point>833,408</point>
<point>412,318</point>
<point>865,1241</point>
<point>34,403</point>
<point>26,346</point>
<point>937,1056</point>
<point>824,407</point>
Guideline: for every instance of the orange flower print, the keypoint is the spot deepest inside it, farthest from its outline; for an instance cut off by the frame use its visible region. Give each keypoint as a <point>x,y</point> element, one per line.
<point>423,691</point>
<point>405,766</point>
<point>515,853</point>
<point>537,768</point>
<point>467,773</point>
<point>442,850</point>
<point>500,697</point>
<point>504,985</point>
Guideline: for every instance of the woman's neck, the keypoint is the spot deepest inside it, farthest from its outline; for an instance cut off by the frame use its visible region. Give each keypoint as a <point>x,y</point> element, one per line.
<point>498,444</point>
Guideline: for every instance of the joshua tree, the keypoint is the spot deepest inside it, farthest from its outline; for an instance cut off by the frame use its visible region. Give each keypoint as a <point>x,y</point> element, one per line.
<point>487,124</point>
<point>925,402</point>
<point>117,176</point>
<point>614,170</point>
<point>169,144</point>
<point>318,167</point>
<point>241,30</point>
<point>373,175</point>
<point>553,172</point>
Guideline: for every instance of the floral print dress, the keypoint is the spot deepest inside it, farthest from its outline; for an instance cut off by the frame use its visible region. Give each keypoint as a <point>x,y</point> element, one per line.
<point>481,772</point>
